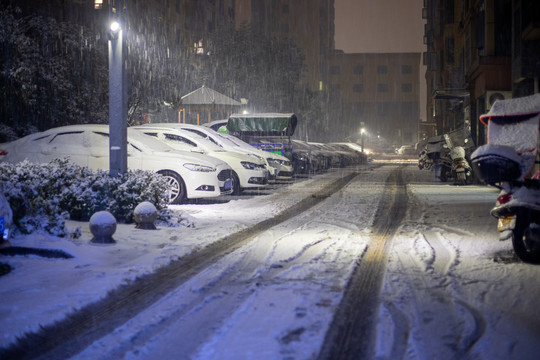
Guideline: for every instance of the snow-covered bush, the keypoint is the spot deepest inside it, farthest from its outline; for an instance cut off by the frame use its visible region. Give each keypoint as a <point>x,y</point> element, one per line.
<point>7,134</point>
<point>119,195</point>
<point>43,196</point>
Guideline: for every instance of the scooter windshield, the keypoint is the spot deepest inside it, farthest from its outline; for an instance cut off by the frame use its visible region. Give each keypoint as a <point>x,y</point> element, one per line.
<point>519,133</point>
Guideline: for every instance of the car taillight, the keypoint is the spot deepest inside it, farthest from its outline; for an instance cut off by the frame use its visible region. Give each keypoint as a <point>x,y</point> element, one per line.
<point>504,198</point>
<point>3,152</point>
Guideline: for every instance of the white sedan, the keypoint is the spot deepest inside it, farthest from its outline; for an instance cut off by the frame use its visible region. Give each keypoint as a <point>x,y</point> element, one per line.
<point>279,166</point>
<point>190,175</point>
<point>248,171</point>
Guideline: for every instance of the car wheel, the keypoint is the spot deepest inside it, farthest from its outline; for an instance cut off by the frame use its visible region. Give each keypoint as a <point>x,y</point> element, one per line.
<point>177,192</point>
<point>236,185</point>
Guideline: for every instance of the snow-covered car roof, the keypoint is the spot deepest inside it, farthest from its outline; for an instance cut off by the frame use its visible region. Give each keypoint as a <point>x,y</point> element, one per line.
<point>88,145</point>
<point>200,141</point>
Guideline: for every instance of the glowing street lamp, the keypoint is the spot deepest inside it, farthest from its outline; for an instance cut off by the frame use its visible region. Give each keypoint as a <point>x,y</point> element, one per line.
<point>114,29</point>
<point>362,134</point>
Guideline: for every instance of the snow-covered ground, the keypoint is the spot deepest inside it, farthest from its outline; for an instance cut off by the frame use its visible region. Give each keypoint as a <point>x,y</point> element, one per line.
<point>451,289</point>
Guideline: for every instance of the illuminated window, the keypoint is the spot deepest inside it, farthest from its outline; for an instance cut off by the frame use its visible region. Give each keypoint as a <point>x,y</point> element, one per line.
<point>98,4</point>
<point>198,47</point>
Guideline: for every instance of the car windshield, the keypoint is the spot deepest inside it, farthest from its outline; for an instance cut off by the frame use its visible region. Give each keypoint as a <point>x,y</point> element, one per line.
<point>147,143</point>
<point>235,141</point>
<point>194,138</point>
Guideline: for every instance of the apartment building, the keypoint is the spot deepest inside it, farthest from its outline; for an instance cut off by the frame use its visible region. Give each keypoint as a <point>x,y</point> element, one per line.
<point>478,51</point>
<point>379,92</point>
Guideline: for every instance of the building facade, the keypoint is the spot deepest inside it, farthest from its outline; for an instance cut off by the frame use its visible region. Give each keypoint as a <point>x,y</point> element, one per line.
<point>478,51</point>
<point>377,92</point>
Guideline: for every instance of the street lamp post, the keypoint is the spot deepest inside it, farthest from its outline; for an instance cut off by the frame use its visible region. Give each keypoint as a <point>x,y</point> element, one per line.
<point>362,135</point>
<point>117,101</point>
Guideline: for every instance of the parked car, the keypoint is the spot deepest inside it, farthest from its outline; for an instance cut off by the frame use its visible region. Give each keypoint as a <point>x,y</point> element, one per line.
<point>359,154</point>
<point>407,150</point>
<point>331,157</point>
<point>248,171</point>
<point>216,124</point>
<point>279,166</point>
<point>282,165</point>
<point>307,159</point>
<point>190,175</point>
<point>353,152</point>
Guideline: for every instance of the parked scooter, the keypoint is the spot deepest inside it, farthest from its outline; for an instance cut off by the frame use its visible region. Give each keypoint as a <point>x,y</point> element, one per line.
<point>424,162</point>
<point>447,155</point>
<point>509,162</point>
<point>461,170</point>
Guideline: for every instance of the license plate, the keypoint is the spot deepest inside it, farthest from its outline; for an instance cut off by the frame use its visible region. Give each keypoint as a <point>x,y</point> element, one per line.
<point>506,223</point>
<point>227,185</point>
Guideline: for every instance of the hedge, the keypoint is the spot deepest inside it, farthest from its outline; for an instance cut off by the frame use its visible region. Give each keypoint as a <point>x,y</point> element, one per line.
<point>43,196</point>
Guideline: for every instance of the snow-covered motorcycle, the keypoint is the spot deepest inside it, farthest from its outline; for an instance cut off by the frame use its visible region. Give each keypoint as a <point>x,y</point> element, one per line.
<point>461,170</point>
<point>424,161</point>
<point>509,162</point>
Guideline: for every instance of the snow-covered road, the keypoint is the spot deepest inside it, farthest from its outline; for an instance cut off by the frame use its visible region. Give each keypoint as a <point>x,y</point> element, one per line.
<point>451,290</point>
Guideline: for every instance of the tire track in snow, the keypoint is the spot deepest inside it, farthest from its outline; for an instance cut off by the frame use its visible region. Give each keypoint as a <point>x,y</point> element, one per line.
<point>352,332</point>
<point>466,318</point>
<point>235,281</point>
<point>84,326</point>
<point>425,277</point>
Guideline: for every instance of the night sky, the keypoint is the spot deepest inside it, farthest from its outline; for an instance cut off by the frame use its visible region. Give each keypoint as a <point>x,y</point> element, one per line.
<point>379,26</point>
<point>382,26</point>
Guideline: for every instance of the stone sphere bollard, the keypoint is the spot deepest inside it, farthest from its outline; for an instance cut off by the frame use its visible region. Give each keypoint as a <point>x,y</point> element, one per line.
<point>102,226</point>
<point>145,214</point>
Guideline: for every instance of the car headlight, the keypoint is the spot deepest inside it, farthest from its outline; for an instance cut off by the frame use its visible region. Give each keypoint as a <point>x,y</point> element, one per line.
<point>279,162</point>
<point>273,162</point>
<point>198,167</point>
<point>249,165</point>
